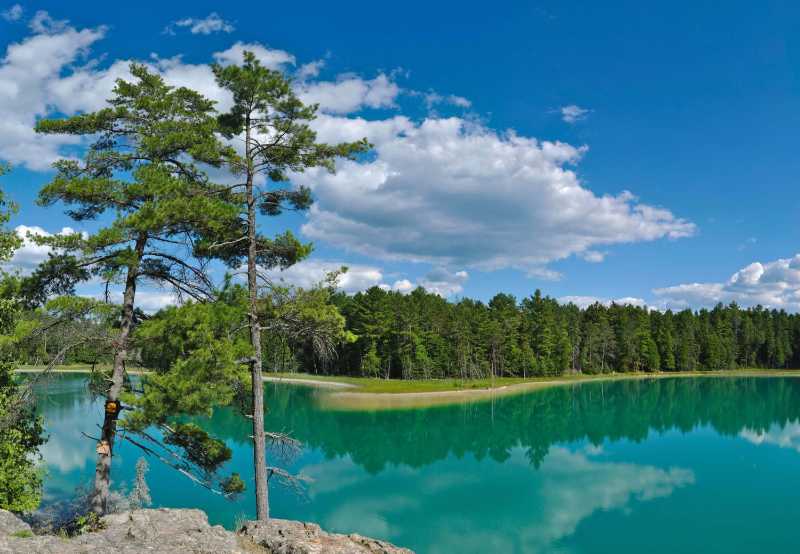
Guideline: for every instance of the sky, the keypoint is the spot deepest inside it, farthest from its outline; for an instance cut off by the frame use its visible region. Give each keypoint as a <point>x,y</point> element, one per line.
<point>616,151</point>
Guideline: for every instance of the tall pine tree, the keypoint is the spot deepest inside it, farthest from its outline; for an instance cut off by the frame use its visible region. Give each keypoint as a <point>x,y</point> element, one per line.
<point>143,171</point>
<point>278,140</point>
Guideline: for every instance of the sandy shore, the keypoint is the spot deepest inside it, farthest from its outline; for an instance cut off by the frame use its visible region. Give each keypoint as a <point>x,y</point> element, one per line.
<point>311,382</point>
<point>354,400</point>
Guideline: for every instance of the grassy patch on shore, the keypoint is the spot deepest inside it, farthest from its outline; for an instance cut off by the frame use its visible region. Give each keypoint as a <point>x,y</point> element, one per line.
<point>63,367</point>
<point>76,368</point>
<point>398,386</point>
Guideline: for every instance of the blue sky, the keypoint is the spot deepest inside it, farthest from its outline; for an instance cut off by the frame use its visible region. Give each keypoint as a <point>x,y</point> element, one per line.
<point>506,135</point>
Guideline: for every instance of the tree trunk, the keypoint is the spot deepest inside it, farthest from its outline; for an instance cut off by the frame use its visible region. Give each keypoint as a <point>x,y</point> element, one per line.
<point>105,447</point>
<point>259,439</point>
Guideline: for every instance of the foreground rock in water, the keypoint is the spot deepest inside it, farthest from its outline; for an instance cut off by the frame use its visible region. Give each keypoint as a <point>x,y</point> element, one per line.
<point>167,531</point>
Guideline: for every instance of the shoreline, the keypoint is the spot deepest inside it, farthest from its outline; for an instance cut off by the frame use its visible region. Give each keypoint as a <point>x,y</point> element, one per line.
<point>74,370</point>
<point>365,400</point>
<point>309,382</point>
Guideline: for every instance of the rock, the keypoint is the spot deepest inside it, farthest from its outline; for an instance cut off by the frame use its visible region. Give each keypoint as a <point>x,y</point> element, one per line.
<point>10,524</point>
<point>166,531</point>
<point>281,536</point>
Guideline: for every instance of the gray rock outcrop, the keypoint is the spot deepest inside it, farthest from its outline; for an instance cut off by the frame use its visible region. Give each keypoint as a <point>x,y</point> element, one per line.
<point>164,531</point>
<point>282,536</point>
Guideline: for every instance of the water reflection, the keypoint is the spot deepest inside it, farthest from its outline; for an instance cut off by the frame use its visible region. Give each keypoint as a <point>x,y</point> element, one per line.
<point>597,413</point>
<point>784,436</point>
<point>528,473</point>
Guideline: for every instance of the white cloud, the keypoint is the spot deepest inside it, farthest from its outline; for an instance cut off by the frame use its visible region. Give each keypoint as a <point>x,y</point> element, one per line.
<point>453,193</point>
<point>402,285</point>
<point>572,113</point>
<point>585,301</point>
<point>270,58</point>
<point>310,70</point>
<point>41,75</point>
<point>150,298</point>
<point>503,199</point>
<point>309,273</point>
<point>351,93</point>
<point>28,72</point>
<point>43,23</point>
<point>773,284</point>
<point>14,13</point>
<point>149,301</point>
<point>433,98</point>
<point>543,273</point>
<point>593,256</point>
<point>30,254</point>
<point>443,282</point>
<point>332,129</point>
<point>212,23</point>
<point>88,88</point>
<point>359,277</point>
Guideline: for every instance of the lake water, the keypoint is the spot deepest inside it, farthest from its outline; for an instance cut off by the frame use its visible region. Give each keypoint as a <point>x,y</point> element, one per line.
<point>662,465</point>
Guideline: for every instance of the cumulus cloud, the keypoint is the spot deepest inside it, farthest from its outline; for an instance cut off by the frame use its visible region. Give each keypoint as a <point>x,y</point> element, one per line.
<point>586,301</point>
<point>773,284</point>
<point>573,113</point>
<point>454,193</point>
<point>309,273</point>
<point>310,69</point>
<point>443,282</point>
<point>351,93</point>
<point>14,13</point>
<point>360,277</point>
<point>49,72</point>
<point>593,256</point>
<point>212,23</point>
<point>28,72</point>
<point>149,301</point>
<point>30,254</point>
<point>433,98</point>
<point>43,23</point>
<point>446,191</point>
<point>401,285</point>
<point>269,57</point>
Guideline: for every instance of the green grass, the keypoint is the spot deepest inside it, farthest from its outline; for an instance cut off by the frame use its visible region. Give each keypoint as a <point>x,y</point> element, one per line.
<point>389,386</point>
<point>64,367</point>
<point>84,368</point>
<point>22,534</point>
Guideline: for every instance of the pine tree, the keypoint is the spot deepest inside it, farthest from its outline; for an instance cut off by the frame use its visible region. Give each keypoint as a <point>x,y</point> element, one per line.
<point>143,169</point>
<point>278,140</point>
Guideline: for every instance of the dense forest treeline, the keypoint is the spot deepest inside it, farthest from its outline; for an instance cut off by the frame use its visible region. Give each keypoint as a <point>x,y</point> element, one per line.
<point>421,335</point>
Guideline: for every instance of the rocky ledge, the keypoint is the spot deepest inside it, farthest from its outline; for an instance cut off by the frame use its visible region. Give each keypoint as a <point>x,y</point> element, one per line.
<point>168,531</point>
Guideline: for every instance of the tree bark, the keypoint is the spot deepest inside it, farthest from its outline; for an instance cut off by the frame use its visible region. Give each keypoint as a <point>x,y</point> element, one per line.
<point>259,439</point>
<point>105,447</point>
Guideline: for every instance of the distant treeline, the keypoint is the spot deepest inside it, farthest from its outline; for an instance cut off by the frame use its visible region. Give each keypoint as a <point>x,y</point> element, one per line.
<point>421,335</point>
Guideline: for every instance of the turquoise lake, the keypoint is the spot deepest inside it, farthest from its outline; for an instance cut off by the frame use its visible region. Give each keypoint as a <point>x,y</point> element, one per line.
<point>660,465</point>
